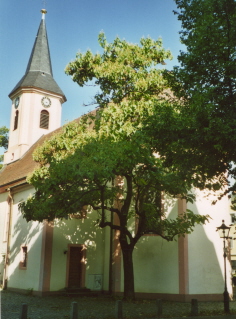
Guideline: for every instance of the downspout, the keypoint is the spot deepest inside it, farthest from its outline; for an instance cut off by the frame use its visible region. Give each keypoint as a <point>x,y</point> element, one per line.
<point>111,250</point>
<point>8,238</point>
<point>111,256</point>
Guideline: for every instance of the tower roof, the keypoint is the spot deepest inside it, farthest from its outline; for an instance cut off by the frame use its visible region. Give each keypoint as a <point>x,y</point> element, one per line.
<point>39,69</point>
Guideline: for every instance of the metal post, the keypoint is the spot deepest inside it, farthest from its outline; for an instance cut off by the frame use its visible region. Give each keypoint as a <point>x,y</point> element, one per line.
<point>226,294</point>
<point>118,310</point>
<point>224,233</point>
<point>24,310</point>
<point>159,308</point>
<point>74,310</point>
<point>194,307</point>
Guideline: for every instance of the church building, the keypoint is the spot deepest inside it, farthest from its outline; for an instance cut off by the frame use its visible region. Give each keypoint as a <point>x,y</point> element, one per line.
<point>48,258</point>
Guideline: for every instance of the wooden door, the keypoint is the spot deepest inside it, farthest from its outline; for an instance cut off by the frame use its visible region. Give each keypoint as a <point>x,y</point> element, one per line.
<point>75,267</point>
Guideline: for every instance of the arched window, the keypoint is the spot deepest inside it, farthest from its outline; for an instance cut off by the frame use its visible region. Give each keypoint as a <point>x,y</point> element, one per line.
<point>16,120</point>
<point>44,119</point>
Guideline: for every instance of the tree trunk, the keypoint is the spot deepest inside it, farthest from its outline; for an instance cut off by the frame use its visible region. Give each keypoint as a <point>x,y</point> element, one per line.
<point>128,273</point>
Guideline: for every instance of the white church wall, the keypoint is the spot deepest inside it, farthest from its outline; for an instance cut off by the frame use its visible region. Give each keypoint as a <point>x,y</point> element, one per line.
<point>80,232</point>
<point>54,115</point>
<point>28,130</point>
<point>29,235</point>
<point>156,260</point>
<point>156,266</point>
<point>206,268</point>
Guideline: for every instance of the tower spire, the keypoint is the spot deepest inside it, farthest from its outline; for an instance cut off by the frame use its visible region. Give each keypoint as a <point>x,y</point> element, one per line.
<point>40,59</point>
<point>36,100</point>
<point>39,69</point>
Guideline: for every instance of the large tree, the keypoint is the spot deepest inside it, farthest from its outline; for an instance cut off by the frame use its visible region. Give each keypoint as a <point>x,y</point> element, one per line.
<point>205,82</point>
<point>107,161</point>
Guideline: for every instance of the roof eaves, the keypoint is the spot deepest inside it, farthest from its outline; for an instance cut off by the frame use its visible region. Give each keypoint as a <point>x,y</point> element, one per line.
<point>13,182</point>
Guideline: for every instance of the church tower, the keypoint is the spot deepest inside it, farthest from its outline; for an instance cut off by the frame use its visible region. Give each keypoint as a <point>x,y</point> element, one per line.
<point>36,100</point>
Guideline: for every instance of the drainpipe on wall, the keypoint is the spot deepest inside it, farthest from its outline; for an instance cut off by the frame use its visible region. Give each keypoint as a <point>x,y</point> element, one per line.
<point>8,237</point>
<point>111,256</point>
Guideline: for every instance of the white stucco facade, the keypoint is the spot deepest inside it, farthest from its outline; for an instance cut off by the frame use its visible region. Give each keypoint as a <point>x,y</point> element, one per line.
<point>28,130</point>
<point>182,269</point>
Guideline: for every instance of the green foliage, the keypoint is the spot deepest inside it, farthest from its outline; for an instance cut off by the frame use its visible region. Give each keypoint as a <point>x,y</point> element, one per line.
<point>4,137</point>
<point>124,70</point>
<point>1,160</point>
<point>82,170</point>
<point>3,141</point>
<point>199,133</point>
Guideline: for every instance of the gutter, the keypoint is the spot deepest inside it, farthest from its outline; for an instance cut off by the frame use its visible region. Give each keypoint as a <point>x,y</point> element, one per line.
<point>12,182</point>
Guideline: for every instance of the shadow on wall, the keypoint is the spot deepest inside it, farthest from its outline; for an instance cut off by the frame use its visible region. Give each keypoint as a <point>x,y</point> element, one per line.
<point>205,274</point>
<point>206,271</point>
<point>156,260</point>
<point>78,232</point>
<point>66,232</point>
<point>24,234</point>
<point>161,258</point>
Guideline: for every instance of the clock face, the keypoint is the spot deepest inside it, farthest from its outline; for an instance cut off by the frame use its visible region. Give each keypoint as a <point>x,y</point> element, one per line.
<point>46,102</point>
<point>17,102</point>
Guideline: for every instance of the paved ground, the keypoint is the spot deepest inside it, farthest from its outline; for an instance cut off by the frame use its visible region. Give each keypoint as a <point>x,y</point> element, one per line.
<point>58,307</point>
<point>232,316</point>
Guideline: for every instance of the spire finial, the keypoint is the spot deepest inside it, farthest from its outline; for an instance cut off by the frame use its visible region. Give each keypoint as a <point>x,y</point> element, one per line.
<point>44,11</point>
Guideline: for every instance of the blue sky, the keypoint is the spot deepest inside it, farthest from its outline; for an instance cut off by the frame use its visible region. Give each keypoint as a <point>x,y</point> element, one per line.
<point>72,26</point>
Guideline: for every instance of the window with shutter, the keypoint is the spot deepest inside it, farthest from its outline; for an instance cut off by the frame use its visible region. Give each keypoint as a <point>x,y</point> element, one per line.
<point>16,120</point>
<point>44,119</point>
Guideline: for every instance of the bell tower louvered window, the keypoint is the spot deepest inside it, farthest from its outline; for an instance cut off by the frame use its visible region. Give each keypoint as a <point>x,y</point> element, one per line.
<point>16,120</point>
<point>44,119</point>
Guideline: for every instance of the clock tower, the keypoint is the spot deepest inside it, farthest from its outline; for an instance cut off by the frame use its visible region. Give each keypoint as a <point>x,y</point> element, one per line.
<point>36,100</point>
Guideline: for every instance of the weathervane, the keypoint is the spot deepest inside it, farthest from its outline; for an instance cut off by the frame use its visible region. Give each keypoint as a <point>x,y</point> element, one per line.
<point>43,11</point>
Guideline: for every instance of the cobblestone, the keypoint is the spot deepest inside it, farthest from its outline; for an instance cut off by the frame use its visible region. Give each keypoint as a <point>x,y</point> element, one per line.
<point>58,307</point>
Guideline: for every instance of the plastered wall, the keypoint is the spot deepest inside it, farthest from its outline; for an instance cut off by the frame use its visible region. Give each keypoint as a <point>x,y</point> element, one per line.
<point>24,234</point>
<point>206,268</point>
<point>80,232</point>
